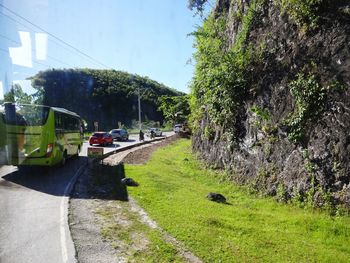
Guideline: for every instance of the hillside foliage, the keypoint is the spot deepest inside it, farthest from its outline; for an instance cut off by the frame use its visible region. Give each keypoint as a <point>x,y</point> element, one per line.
<point>106,96</point>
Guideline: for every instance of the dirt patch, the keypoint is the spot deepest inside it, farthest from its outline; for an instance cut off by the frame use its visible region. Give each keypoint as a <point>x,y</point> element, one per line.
<point>142,155</point>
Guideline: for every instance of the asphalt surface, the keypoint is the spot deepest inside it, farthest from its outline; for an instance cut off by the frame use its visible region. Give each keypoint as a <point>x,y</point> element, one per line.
<point>33,218</point>
<point>34,207</point>
<point>116,144</point>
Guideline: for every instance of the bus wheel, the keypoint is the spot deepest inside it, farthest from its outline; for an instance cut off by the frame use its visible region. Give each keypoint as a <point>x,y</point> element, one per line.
<point>78,151</point>
<point>64,160</point>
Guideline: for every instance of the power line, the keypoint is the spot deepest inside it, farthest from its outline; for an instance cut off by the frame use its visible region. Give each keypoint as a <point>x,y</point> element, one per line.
<point>54,41</point>
<point>34,50</point>
<point>52,35</point>
<point>78,52</point>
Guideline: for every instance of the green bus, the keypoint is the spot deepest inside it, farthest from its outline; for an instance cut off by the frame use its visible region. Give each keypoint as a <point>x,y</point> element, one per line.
<point>36,135</point>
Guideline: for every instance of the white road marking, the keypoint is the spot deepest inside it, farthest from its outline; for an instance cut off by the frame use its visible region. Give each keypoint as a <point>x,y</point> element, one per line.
<point>64,216</point>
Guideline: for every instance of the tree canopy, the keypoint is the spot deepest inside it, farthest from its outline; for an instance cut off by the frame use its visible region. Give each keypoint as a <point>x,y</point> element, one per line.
<point>175,109</point>
<point>16,94</point>
<point>107,96</point>
<point>197,5</point>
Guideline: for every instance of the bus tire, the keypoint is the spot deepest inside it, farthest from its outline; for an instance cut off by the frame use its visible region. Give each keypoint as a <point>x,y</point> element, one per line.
<point>78,151</point>
<point>64,159</point>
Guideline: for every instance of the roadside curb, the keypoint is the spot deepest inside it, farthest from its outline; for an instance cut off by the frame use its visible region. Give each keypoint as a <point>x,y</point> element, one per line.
<point>128,147</point>
<point>66,238</point>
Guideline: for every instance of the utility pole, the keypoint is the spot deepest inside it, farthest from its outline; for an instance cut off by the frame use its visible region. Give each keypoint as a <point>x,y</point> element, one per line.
<point>139,104</point>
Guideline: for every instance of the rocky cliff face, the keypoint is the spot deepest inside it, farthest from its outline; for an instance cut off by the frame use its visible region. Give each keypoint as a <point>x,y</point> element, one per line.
<point>288,132</point>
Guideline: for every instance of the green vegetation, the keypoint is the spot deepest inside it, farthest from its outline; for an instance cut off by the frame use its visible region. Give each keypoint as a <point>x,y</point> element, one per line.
<point>303,12</point>
<point>264,114</point>
<point>263,120</point>
<point>223,79</point>
<point>109,97</point>
<point>16,94</point>
<point>173,187</point>
<point>175,109</point>
<point>197,5</point>
<point>310,102</point>
<point>222,75</point>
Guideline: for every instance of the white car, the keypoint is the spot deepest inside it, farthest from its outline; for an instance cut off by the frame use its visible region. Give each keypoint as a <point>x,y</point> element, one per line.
<point>157,132</point>
<point>177,128</point>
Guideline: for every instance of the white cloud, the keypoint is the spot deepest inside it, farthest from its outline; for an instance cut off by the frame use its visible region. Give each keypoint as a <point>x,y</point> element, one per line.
<point>22,56</point>
<point>41,46</point>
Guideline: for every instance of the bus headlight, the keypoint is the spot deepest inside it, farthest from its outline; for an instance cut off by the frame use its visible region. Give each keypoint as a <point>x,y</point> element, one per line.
<point>49,149</point>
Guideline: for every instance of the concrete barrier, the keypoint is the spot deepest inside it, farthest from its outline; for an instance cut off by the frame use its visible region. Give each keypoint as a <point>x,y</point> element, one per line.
<point>127,148</point>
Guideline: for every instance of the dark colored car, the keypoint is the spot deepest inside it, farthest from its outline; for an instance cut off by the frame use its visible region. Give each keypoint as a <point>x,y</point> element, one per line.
<point>119,134</point>
<point>101,138</point>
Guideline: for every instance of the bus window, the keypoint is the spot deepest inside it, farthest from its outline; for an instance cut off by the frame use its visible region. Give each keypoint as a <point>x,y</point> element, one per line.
<point>25,115</point>
<point>65,122</point>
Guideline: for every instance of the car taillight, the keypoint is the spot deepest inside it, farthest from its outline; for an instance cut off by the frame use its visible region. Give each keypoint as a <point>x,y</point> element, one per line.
<point>49,149</point>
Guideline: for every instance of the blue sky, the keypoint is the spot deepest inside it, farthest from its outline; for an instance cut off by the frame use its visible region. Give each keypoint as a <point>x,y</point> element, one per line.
<point>146,37</point>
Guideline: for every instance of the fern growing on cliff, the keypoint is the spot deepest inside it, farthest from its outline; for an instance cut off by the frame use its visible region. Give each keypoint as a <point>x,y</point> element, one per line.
<point>310,102</point>
<point>303,12</point>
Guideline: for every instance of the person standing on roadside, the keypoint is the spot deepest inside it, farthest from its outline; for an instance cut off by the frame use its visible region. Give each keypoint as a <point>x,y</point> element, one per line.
<point>141,136</point>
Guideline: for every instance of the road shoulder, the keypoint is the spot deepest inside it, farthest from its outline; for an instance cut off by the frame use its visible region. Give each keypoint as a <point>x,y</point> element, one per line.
<point>99,217</point>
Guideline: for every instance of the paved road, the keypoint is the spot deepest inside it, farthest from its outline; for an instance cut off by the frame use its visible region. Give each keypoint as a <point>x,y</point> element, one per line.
<point>33,217</point>
<point>133,138</point>
<point>33,211</point>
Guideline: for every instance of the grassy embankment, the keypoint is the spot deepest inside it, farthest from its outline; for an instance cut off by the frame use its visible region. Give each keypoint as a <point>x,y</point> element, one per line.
<point>173,187</point>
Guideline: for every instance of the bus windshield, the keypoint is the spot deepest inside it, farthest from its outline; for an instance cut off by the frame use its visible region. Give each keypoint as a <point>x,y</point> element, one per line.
<point>25,115</point>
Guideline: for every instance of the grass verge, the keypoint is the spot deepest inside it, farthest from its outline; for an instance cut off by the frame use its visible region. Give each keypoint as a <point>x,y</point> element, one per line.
<point>132,239</point>
<point>173,187</point>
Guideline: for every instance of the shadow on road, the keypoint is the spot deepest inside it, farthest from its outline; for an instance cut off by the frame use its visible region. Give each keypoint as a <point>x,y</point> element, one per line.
<point>49,180</point>
<point>98,181</point>
<point>114,145</point>
<point>101,181</point>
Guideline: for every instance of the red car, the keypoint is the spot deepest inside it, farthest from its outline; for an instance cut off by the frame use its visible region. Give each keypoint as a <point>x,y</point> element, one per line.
<point>101,138</point>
